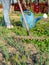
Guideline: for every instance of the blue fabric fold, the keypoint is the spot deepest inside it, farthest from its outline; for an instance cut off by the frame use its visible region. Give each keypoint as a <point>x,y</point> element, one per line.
<point>31,21</point>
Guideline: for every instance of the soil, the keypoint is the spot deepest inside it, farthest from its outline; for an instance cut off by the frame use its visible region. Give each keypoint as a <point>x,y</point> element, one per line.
<point>20,52</point>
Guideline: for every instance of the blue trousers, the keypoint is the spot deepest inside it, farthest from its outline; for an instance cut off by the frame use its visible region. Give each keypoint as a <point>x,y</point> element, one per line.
<point>6,7</point>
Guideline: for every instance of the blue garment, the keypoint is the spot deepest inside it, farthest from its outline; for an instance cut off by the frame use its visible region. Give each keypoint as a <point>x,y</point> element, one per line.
<point>31,21</point>
<point>6,7</point>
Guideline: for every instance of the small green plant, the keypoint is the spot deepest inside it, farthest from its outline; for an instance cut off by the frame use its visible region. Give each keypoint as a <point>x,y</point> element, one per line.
<point>15,60</point>
<point>5,53</point>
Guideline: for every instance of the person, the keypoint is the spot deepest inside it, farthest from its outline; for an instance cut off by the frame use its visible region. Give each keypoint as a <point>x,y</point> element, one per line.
<point>6,8</point>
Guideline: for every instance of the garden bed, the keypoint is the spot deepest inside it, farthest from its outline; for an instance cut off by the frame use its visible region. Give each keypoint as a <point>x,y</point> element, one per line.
<point>16,48</point>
